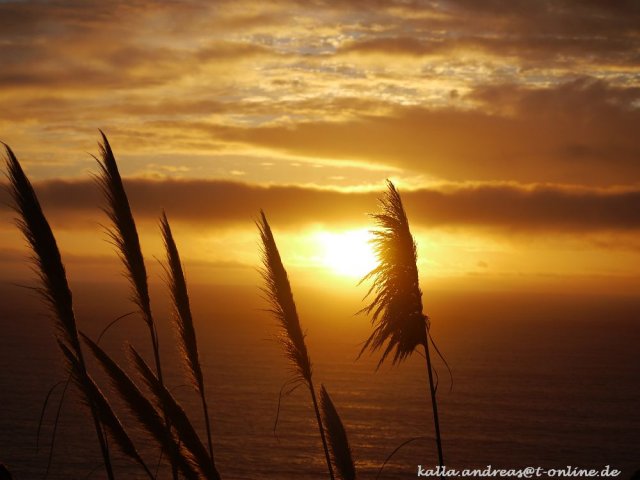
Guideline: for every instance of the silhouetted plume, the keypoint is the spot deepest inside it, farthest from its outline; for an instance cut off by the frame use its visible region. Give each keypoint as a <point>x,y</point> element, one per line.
<point>396,309</point>
<point>397,304</point>
<point>32,223</point>
<point>145,412</point>
<point>54,287</point>
<point>278,294</point>
<point>124,236</point>
<point>337,438</point>
<point>123,232</point>
<point>183,321</point>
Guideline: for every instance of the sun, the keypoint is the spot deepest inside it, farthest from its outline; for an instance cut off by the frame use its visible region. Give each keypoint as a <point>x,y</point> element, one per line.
<point>347,253</point>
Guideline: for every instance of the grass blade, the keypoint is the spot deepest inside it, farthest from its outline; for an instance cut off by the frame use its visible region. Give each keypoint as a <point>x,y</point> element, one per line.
<point>337,438</point>
<point>56,423</point>
<point>92,395</point>
<point>183,321</point>
<point>186,434</point>
<point>143,410</point>
<point>44,408</point>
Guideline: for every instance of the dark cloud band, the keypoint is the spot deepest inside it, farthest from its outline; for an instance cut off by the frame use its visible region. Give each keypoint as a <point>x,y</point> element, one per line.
<point>211,202</point>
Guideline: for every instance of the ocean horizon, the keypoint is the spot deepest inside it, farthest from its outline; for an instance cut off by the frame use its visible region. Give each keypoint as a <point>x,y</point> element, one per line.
<point>537,382</point>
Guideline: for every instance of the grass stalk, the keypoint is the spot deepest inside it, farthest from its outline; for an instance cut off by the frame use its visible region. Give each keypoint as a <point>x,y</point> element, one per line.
<point>280,297</point>
<point>183,322</point>
<point>434,404</point>
<point>54,287</point>
<point>400,326</point>
<point>124,236</point>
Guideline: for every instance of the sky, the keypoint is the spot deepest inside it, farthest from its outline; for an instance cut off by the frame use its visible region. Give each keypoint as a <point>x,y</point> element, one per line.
<point>510,128</point>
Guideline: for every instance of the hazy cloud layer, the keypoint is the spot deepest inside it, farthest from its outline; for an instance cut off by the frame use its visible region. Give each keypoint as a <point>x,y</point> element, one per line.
<point>506,207</point>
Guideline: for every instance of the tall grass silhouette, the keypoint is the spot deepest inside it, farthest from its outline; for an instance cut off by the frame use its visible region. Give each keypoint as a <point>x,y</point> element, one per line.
<point>397,309</point>
<point>400,326</point>
<point>178,436</point>
<point>162,417</point>
<point>54,288</point>
<point>183,321</point>
<point>124,236</point>
<point>280,297</point>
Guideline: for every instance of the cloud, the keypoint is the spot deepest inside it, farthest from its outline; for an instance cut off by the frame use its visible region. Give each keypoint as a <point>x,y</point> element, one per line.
<point>466,91</point>
<point>393,46</point>
<point>527,51</point>
<point>541,34</point>
<point>582,131</point>
<point>538,208</point>
<point>26,65</point>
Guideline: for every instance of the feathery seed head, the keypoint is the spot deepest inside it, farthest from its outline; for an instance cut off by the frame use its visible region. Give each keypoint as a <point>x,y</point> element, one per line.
<point>54,287</point>
<point>123,232</point>
<point>183,319</point>
<point>396,308</point>
<point>280,297</point>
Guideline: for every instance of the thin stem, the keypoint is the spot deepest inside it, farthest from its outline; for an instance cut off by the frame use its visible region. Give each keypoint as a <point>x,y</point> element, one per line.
<point>156,357</point>
<point>96,421</point>
<point>206,423</point>
<point>156,351</point>
<point>321,428</point>
<point>434,402</point>
<point>55,426</point>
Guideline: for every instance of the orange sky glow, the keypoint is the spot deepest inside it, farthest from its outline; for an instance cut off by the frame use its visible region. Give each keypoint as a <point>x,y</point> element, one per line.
<point>509,127</point>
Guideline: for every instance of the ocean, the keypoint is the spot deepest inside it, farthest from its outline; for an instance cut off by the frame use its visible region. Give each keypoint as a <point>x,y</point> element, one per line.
<point>541,380</point>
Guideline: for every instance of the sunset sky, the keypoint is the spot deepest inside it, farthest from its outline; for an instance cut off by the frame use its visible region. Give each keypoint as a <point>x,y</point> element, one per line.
<point>511,129</point>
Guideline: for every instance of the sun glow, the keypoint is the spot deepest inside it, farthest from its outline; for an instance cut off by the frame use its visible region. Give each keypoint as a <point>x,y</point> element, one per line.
<point>347,253</point>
